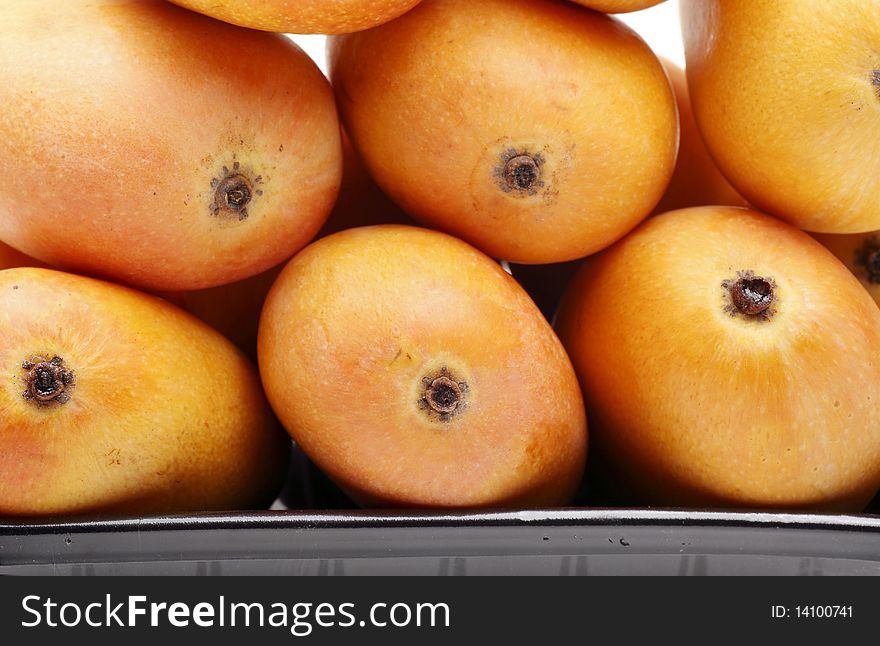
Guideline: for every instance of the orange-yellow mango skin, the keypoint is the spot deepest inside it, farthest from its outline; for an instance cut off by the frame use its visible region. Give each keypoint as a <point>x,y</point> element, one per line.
<point>358,319</point>
<point>360,202</point>
<point>782,91</point>
<point>696,180</point>
<point>302,16</point>
<point>462,85</point>
<point>234,309</point>
<point>852,250</point>
<point>116,118</point>
<point>618,6</point>
<point>691,406</point>
<point>10,258</point>
<point>165,415</point>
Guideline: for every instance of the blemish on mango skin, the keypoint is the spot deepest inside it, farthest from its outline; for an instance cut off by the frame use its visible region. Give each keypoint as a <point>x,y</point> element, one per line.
<point>402,357</point>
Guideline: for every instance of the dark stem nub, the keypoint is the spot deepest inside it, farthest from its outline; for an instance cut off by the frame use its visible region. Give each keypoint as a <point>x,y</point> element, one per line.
<point>521,172</point>
<point>443,395</point>
<point>234,192</point>
<point>752,295</point>
<point>872,264</point>
<point>867,257</point>
<point>875,79</point>
<point>43,383</point>
<point>47,380</point>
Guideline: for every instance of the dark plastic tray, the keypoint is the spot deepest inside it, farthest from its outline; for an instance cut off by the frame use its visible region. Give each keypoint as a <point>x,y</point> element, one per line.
<point>589,539</point>
<point>542,542</point>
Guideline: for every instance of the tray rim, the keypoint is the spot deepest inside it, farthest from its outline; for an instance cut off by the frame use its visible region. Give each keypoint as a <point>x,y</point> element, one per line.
<point>358,519</point>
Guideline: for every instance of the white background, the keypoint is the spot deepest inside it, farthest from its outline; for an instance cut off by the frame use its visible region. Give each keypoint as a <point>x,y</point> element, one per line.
<point>658,25</point>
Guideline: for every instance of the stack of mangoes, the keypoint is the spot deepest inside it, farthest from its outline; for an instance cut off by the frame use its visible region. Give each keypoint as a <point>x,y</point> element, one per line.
<point>186,196</point>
